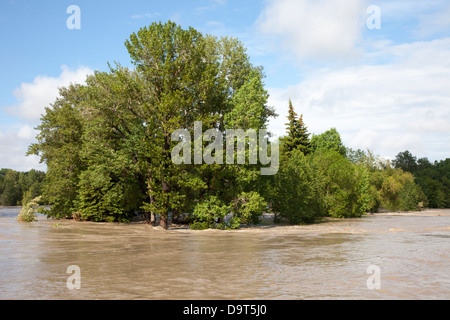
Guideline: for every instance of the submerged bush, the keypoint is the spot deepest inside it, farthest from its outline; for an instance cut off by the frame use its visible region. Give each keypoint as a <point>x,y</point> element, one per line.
<point>29,208</point>
<point>212,213</point>
<point>249,207</point>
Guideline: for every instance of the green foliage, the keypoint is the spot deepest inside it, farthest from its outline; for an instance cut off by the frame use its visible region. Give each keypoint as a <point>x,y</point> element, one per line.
<point>345,186</point>
<point>329,140</point>
<point>108,144</point>
<point>29,208</point>
<point>248,105</point>
<point>212,213</point>
<point>297,135</point>
<point>11,192</point>
<point>14,185</point>
<point>405,161</point>
<point>433,179</point>
<point>398,191</point>
<point>249,207</point>
<point>297,190</point>
<point>412,197</point>
<point>59,144</point>
<point>105,197</point>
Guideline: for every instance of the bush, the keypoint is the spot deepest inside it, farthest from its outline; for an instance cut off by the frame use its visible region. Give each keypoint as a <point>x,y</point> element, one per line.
<point>297,191</point>
<point>212,213</point>
<point>411,197</point>
<point>249,207</point>
<point>400,192</point>
<point>29,208</point>
<point>104,196</point>
<point>346,185</point>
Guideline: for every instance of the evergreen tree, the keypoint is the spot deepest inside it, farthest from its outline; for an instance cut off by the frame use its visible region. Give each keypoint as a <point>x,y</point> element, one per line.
<point>297,135</point>
<point>302,136</point>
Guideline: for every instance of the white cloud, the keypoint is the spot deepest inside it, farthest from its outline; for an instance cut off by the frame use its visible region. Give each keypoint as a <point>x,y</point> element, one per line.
<point>34,97</point>
<point>402,104</point>
<point>26,132</point>
<point>318,29</point>
<point>145,15</point>
<point>14,142</point>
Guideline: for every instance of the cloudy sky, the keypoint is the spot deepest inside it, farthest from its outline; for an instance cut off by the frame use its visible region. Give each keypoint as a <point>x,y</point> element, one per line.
<point>377,71</point>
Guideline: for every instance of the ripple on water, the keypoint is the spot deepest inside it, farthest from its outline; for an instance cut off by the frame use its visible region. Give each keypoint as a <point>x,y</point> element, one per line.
<point>323,261</point>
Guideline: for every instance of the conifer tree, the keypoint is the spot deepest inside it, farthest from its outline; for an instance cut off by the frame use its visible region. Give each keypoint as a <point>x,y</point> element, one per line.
<point>302,136</point>
<point>297,134</point>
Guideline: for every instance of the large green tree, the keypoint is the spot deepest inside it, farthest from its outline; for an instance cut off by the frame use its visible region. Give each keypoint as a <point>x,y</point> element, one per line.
<point>108,144</point>
<point>188,77</point>
<point>59,144</point>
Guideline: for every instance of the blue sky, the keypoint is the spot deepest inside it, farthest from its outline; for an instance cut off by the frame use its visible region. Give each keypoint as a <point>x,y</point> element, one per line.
<point>384,89</point>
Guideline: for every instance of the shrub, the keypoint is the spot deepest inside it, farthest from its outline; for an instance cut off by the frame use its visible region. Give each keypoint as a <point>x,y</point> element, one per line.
<point>297,191</point>
<point>249,207</point>
<point>212,213</point>
<point>411,197</point>
<point>345,185</point>
<point>29,208</point>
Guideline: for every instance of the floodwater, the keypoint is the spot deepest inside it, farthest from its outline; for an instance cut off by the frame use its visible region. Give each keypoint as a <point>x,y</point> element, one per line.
<point>409,255</point>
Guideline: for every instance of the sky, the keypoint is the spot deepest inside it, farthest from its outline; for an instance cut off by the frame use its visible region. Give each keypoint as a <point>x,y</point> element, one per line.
<point>377,71</point>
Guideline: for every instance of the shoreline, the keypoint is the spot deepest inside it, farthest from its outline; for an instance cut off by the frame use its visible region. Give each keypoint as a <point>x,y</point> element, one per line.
<point>325,225</point>
<point>422,213</point>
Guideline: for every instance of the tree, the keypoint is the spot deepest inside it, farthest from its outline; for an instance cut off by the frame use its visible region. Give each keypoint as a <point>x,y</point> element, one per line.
<point>59,144</point>
<point>108,144</point>
<point>405,161</point>
<point>211,213</point>
<point>432,178</point>
<point>400,192</point>
<point>345,185</point>
<point>329,140</point>
<point>15,185</point>
<point>297,135</point>
<point>188,77</point>
<point>11,193</point>
<point>297,191</point>
<point>248,207</point>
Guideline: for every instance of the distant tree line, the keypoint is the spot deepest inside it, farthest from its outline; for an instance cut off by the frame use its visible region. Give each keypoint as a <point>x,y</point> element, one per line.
<point>14,185</point>
<point>320,177</point>
<point>433,178</point>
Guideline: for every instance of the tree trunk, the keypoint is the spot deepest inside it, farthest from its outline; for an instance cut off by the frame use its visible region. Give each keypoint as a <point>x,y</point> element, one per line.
<point>163,221</point>
<point>152,198</point>
<point>165,187</point>
<point>152,219</point>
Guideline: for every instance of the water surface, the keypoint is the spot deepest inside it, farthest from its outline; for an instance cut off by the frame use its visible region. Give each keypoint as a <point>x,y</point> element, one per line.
<point>133,261</point>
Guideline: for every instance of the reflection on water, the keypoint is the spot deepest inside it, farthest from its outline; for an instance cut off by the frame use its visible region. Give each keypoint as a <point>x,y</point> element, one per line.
<point>324,261</point>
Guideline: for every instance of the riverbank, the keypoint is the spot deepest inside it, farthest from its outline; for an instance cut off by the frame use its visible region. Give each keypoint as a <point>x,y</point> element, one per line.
<point>326,225</point>
<point>267,226</point>
<point>424,213</point>
<point>352,225</point>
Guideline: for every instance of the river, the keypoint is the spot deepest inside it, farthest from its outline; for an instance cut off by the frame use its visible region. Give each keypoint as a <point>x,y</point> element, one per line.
<point>375,257</point>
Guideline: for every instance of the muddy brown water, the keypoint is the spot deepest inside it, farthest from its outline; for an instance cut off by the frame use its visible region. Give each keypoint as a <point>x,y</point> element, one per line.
<point>329,260</point>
